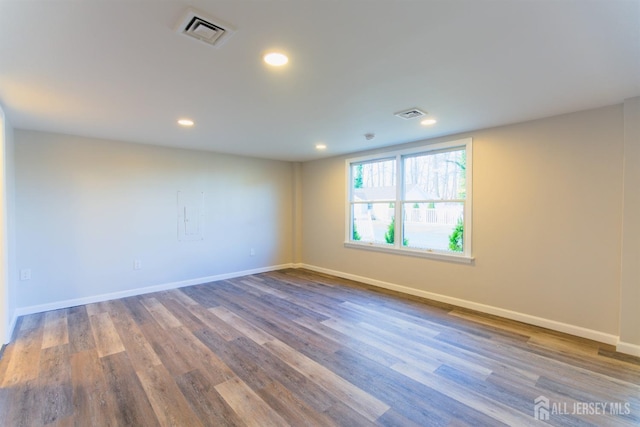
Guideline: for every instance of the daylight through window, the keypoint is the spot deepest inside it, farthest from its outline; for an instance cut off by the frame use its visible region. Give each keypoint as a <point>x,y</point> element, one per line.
<point>415,201</point>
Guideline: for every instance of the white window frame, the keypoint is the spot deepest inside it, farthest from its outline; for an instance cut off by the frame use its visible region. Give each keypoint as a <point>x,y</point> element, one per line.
<point>397,247</point>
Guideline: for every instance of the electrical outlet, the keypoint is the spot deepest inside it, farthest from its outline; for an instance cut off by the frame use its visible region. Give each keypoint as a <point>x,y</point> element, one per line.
<point>137,264</point>
<point>25,274</point>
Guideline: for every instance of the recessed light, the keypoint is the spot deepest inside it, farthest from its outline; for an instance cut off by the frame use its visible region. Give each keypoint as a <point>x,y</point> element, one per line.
<point>321,147</point>
<point>185,122</point>
<point>275,59</point>
<point>428,122</point>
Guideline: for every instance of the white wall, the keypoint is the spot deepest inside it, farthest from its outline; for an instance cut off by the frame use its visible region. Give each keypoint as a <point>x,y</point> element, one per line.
<point>86,208</point>
<point>4,259</point>
<point>546,226</point>
<point>7,230</point>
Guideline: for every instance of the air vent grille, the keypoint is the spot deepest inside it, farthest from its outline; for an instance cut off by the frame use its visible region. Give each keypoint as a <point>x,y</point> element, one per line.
<point>197,25</point>
<point>204,31</point>
<point>410,114</point>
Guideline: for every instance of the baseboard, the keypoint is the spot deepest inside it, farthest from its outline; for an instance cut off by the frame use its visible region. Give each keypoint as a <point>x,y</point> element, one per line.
<point>497,311</point>
<point>140,291</point>
<point>12,327</point>
<point>627,348</point>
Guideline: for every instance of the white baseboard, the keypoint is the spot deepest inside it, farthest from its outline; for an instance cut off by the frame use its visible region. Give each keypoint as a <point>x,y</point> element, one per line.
<point>626,348</point>
<point>11,328</point>
<point>497,311</point>
<point>139,291</point>
<point>622,347</point>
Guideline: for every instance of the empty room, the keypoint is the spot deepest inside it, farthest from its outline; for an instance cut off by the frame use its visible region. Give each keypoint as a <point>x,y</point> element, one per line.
<point>319,213</point>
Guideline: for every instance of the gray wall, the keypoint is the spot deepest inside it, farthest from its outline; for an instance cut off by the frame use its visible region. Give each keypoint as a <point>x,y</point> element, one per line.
<point>552,201</point>
<point>630,280</point>
<point>547,210</point>
<point>88,208</point>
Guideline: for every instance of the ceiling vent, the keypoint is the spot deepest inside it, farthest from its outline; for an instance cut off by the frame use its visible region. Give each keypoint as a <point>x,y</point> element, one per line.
<point>410,114</point>
<point>204,28</point>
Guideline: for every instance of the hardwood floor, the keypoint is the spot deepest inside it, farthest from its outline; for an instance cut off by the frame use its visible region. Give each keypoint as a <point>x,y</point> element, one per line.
<point>302,349</point>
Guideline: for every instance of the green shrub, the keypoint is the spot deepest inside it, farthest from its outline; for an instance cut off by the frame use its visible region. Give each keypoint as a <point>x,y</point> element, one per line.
<point>455,238</point>
<point>390,235</point>
<point>356,235</point>
<point>357,180</point>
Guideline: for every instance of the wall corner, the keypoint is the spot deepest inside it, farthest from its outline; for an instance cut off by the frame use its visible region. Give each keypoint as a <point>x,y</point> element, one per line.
<point>297,212</point>
<point>629,267</point>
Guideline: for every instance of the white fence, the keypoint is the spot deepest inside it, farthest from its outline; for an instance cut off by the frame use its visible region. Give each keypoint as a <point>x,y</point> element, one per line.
<point>443,215</point>
<point>439,216</point>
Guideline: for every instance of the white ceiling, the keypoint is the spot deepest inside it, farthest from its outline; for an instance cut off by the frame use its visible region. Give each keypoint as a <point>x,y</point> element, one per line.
<point>118,69</point>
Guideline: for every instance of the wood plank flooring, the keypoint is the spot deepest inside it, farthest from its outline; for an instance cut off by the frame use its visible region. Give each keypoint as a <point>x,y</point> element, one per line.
<point>302,349</point>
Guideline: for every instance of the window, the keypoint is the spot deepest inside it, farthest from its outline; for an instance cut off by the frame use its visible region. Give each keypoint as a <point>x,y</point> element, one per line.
<point>422,195</point>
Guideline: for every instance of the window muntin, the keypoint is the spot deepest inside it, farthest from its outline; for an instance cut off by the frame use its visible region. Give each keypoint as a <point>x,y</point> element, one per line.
<point>428,188</point>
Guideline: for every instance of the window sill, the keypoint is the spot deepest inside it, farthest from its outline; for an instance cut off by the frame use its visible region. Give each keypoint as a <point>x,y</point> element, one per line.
<point>462,259</point>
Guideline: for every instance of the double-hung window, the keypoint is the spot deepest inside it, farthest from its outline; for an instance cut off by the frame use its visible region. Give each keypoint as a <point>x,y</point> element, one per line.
<point>415,202</point>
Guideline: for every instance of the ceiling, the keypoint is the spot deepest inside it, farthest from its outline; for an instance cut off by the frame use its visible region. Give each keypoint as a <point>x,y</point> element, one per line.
<point>119,70</point>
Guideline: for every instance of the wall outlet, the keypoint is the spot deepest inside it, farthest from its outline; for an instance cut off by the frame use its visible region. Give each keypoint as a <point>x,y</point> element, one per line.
<point>25,274</point>
<point>137,264</point>
<point>252,252</point>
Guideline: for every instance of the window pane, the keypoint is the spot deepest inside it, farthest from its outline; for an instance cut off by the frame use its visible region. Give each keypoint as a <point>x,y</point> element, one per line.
<point>432,212</point>
<point>371,222</point>
<point>439,176</point>
<point>436,226</point>
<point>372,181</point>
